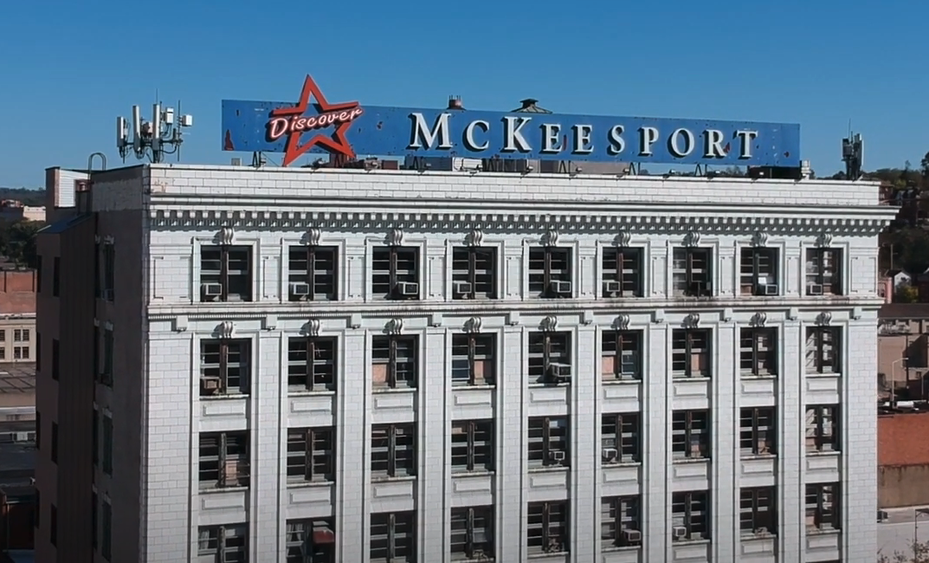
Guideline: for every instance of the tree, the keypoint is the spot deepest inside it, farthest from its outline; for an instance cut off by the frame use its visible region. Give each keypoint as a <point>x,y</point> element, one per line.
<point>918,552</point>
<point>910,248</point>
<point>906,294</point>
<point>18,242</point>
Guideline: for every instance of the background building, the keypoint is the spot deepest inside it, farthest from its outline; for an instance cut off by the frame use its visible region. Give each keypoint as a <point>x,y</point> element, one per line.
<point>457,364</point>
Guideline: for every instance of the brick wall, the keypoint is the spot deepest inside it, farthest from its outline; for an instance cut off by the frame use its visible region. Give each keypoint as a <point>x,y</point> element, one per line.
<point>903,460</point>
<point>17,292</point>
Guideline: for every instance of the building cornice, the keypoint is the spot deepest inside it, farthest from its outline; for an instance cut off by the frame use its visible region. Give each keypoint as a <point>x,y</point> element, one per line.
<point>492,216</point>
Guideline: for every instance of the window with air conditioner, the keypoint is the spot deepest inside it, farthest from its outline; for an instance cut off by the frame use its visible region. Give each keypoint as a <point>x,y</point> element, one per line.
<point>395,272</point>
<point>757,512</point>
<point>310,455</point>
<point>224,367</point>
<point>548,442</point>
<point>690,434</point>
<point>692,272</point>
<point>758,352</point>
<point>621,355</point>
<point>472,534</point>
<point>758,432</point>
<point>620,440</point>
<point>550,358</point>
<point>474,273</point>
<point>547,532</point>
<point>224,459</point>
<point>623,274</point>
<point>311,541</point>
<point>472,446</point>
<point>393,450</point>
<point>758,275</point>
<point>620,522</point>
<point>822,508</point>
<point>223,544</point>
<point>822,350</point>
<point>474,359</point>
<point>393,537</point>
<point>395,362</point>
<point>311,364</point>
<point>225,273</point>
<point>690,516</point>
<point>823,272</point>
<point>822,428</point>
<point>691,353</point>
<point>550,272</point>
<point>312,273</point>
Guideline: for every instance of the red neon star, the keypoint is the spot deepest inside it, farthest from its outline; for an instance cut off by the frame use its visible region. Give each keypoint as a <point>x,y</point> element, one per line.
<point>335,143</point>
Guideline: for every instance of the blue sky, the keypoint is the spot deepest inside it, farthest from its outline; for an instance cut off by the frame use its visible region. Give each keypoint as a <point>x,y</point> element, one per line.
<point>69,68</point>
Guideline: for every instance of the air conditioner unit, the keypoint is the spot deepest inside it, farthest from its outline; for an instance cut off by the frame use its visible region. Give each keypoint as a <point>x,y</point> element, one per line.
<point>882,515</point>
<point>408,289</point>
<point>632,536</point>
<point>559,371</point>
<point>23,436</point>
<point>463,288</point>
<point>212,289</point>
<point>210,384</point>
<point>814,289</point>
<point>300,289</point>
<point>561,287</point>
<point>610,454</point>
<point>761,531</point>
<point>612,287</point>
<point>770,289</point>
<point>679,532</point>
<point>557,456</point>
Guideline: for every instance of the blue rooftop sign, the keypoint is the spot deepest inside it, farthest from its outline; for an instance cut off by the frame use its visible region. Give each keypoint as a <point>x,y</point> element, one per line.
<point>315,125</point>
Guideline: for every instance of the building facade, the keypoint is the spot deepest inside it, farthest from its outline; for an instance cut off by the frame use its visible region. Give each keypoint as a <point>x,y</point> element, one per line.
<point>370,365</point>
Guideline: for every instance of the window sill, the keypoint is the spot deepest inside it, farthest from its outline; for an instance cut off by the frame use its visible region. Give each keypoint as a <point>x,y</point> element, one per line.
<point>685,460</point>
<point>385,478</point>
<point>549,554</point>
<point>476,473</point>
<point>820,532</point>
<point>214,490</point>
<point>620,464</point>
<point>308,393</point>
<point>473,387</point>
<point>622,381</point>
<point>756,376</point>
<point>754,537</point>
<point>702,378</point>
<point>308,484</point>
<point>221,397</point>
<point>758,456</point>
<point>393,390</point>
<point>615,548</point>
<point>549,469</point>
<point>701,541</point>
<point>817,375</point>
<point>544,385</point>
<point>823,453</point>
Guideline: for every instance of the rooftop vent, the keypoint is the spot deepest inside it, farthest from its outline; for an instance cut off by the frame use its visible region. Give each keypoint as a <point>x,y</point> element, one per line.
<point>529,106</point>
<point>454,102</point>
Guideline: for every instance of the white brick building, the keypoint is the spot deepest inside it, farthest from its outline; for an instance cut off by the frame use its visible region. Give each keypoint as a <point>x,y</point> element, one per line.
<point>547,367</point>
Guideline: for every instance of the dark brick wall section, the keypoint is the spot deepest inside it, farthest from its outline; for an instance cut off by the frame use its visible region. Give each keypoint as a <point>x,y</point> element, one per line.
<point>17,291</point>
<point>901,439</point>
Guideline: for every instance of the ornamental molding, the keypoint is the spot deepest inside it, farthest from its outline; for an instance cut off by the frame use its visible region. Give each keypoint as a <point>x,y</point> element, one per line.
<point>472,325</point>
<point>760,239</point>
<point>225,329</point>
<point>622,239</point>
<point>475,237</point>
<point>311,328</point>
<point>393,326</point>
<point>550,237</point>
<point>394,237</point>
<point>691,239</point>
<point>681,222</point>
<point>621,322</point>
<point>312,236</point>
<point>759,319</point>
<point>824,318</point>
<point>549,324</point>
<point>691,321</point>
<point>225,236</point>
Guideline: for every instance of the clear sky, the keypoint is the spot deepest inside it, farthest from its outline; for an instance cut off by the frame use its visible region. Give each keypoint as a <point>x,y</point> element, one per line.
<point>68,68</point>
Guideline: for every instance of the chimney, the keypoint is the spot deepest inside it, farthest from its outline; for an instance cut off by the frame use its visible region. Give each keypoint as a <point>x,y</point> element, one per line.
<point>454,102</point>
<point>529,106</point>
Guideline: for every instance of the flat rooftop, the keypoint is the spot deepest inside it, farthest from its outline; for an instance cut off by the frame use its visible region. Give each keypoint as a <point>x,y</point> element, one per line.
<point>17,378</point>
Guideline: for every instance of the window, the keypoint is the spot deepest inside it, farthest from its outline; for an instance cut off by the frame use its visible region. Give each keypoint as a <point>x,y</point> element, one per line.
<point>474,273</point>
<point>550,272</point>
<point>224,459</point>
<point>473,534</point>
<point>758,275</point>
<point>621,355</point>
<point>310,455</point>
<point>107,445</point>
<point>757,512</point>
<point>823,271</point>
<point>822,507</point>
<point>311,541</point>
<point>224,367</point>
<point>225,273</point>
<point>393,450</point>
<point>21,335</point>
<point>758,351</point>
<point>38,430</point>
<point>106,548</point>
<point>691,353</point>
<point>822,428</point>
<point>394,362</point>
<point>822,350</point>
<point>56,358</point>
<point>396,272</point>
<point>95,437</point>
<point>690,516</point>
<point>757,433</point>
<point>473,358</point>
<point>53,526</point>
<point>473,446</point>
<point>3,335</point>
<point>20,352</point>
<point>393,537</point>
<point>109,271</point>
<point>692,272</point>
<point>311,364</point>
<point>550,357</point>
<point>54,454</point>
<point>312,273</point>
<point>108,350</point>
<point>548,528</point>
<point>94,524</point>
<point>690,434</point>
<point>622,272</point>
<point>548,442</point>
<point>619,522</point>
<point>2,353</point>
<point>620,438</point>
<point>56,276</point>
<point>38,355</point>
<point>223,544</point>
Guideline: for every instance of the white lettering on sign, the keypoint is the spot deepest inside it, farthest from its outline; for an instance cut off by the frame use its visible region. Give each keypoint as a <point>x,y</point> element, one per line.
<point>617,144</point>
<point>746,138</point>
<point>674,144</point>
<point>582,143</point>
<point>647,138</point>
<point>513,137</point>
<point>422,135</point>
<point>714,144</point>
<point>551,133</point>
<point>469,141</point>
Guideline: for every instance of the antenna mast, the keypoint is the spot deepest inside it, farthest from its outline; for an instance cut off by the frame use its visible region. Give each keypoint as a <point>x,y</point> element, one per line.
<point>154,139</point>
